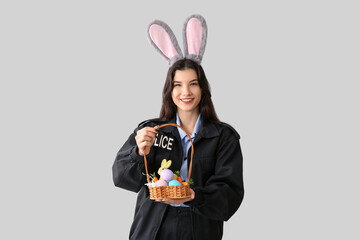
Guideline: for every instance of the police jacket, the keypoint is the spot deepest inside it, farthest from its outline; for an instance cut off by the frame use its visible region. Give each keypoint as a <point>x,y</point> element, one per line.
<point>216,173</point>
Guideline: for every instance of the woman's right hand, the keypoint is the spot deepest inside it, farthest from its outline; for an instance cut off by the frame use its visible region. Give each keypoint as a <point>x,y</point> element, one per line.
<point>145,139</point>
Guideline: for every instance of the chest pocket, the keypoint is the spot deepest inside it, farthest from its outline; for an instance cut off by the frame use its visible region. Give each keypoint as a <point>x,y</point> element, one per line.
<point>207,164</point>
<point>205,158</point>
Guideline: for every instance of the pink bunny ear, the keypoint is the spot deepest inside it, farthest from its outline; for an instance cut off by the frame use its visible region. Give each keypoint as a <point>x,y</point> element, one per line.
<point>164,41</point>
<point>195,36</point>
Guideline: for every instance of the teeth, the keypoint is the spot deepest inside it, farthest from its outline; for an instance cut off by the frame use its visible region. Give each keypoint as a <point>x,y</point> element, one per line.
<point>186,100</point>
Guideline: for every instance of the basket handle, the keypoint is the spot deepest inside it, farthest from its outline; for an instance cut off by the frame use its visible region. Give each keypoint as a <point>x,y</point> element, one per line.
<point>192,150</point>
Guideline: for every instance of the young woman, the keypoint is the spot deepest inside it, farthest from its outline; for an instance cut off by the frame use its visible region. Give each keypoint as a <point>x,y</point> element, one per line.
<point>217,190</point>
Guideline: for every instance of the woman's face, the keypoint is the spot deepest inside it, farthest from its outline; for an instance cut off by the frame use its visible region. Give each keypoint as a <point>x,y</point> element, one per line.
<point>186,92</point>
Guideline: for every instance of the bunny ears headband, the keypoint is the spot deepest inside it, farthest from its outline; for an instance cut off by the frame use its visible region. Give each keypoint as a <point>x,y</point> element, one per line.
<point>194,37</point>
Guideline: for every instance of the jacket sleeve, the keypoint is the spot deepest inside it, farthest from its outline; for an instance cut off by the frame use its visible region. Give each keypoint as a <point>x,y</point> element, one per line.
<point>223,193</point>
<point>129,168</point>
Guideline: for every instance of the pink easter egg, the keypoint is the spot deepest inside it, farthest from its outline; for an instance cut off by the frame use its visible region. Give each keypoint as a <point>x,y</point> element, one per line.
<point>161,183</point>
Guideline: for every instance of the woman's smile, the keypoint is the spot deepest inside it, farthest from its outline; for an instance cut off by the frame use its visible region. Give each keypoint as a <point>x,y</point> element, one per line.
<point>187,100</point>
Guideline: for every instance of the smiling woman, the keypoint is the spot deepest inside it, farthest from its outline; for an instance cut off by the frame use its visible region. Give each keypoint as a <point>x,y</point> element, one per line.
<point>216,184</point>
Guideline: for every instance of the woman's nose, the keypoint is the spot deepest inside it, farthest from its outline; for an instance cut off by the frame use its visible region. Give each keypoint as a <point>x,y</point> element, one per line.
<point>186,90</point>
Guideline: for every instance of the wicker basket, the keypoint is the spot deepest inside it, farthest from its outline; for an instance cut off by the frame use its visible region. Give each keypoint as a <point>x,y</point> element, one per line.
<point>182,191</point>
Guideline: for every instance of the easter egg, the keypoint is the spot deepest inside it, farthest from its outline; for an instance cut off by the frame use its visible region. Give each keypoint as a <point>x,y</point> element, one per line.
<point>174,183</point>
<point>167,174</point>
<point>161,183</point>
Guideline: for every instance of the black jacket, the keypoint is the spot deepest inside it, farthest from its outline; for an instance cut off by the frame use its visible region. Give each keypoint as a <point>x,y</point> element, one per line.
<point>216,173</point>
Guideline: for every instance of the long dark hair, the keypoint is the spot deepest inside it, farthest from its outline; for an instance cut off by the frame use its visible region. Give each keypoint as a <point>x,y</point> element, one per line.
<point>206,106</point>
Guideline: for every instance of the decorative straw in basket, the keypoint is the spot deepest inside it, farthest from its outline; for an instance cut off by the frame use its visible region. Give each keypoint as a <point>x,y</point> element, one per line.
<point>182,191</point>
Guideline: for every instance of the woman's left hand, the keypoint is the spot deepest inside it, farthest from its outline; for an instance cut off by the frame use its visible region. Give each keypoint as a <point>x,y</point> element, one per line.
<point>177,201</point>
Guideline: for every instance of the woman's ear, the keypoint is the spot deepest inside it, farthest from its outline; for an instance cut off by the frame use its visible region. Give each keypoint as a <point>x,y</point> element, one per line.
<point>194,37</point>
<point>164,41</point>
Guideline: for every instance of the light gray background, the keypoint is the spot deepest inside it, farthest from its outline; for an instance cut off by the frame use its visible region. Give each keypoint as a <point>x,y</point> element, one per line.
<point>78,76</point>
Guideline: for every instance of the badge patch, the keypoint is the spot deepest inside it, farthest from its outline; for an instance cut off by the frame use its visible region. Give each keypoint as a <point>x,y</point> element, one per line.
<point>163,141</point>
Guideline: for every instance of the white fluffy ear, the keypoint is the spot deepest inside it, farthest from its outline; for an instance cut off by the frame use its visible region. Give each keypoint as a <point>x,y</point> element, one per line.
<point>164,41</point>
<point>195,36</point>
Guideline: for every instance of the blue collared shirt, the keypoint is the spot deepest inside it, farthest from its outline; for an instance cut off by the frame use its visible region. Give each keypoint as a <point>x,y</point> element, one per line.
<point>186,144</point>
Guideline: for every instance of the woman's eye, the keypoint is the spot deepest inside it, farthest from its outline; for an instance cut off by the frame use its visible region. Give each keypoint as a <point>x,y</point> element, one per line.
<point>194,84</point>
<point>177,85</point>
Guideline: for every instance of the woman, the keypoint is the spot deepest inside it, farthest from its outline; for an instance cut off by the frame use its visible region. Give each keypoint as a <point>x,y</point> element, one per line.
<point>217,189</point>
